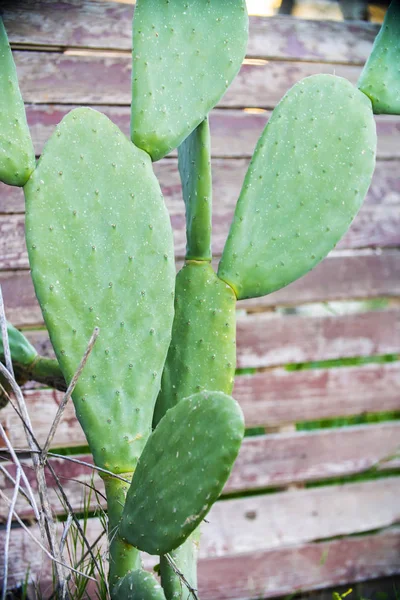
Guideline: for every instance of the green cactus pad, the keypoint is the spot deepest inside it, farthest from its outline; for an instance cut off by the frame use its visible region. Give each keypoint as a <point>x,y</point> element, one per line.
<point>138,585</point>
<point>202,354</point>
<point>17,156</point>
<point>307,179</point>
<point>195,171</point>
<point>182,471</point>
<point>185,55</point>
<point>22,351</point>
<point>380,78</point>
<point>101,253</point>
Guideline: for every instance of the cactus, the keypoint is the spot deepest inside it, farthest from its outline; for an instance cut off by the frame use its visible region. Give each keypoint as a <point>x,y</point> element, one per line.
<point>17,157</point>
<point>181,471</point>
<point>27,363</point>
<point>380,79</point>
<point>185,55</point>
<point>100,248</point>
<point>306,181</point>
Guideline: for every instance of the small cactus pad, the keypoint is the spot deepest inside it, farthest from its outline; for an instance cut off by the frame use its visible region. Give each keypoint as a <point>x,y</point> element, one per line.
<point>22,351</point>
<point>101,253</point>
<point>195,171</point>
<point>380,78</point>
<point>138,585</point>
<point>17,156</point>
<point>308,176</point>
<point>202,354</point>
<point>182,471</point>
<point>185,55</point>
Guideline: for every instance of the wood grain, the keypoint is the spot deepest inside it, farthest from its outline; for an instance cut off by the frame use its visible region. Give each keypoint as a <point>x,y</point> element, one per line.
<point>277,523</point>
<point>234,133</point>
<point>377,224</point>
<point>271,573</point>
<point>272,398</point>
<point>355,275</point>
<point>263,462</point>
<point>268,339</point>
<point>50,77</point>
<point>107,25</point>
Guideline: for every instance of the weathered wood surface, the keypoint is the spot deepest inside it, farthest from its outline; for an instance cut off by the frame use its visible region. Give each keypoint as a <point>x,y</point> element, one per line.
<point>271,339</point>
<point>273,460</point>
<point>289,570</point>
<point>234,133</point>
<point>107,25</point>
<point>278,529</point>
<point>95,78</point>
<point>275,572</point>
<point>272,398</point>
<point>377,224</point>
<point>355,275</point>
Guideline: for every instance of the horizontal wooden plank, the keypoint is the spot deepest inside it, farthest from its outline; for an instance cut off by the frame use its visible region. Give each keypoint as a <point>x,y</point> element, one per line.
<point>287,571</point>
<point>272,398</point>
<point>72,78</point>
<point>264,461</point>
<point>356,275</point>
<point>281,521</point>
<point>268,339</point>
<point>271,573</point>
<point>377,224</point>
<point>276,397</point>
<point>234,133</point>
<point>94,24</point>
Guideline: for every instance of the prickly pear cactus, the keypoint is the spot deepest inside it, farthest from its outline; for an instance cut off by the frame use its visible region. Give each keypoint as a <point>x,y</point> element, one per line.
<point>306,181</point>
<point>185,55</point>
<point>202,353</point>
<point>182,471</point>
<point>138,585</point>
<point>380,79</point>
<point>17,156</point>
<point>100,249</point>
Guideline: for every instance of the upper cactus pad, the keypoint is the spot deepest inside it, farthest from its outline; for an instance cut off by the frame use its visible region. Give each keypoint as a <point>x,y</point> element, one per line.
<point>380,78</point>
<point>101,252</point>
<point>185,55</point>
<point>17,157</point>
<point>307,179</point>
<point>182,471</point>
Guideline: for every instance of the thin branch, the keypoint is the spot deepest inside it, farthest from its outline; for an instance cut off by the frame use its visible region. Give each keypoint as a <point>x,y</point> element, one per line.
<point>72,514</point>
<point>67,525</point>
<point>53,558</point>
<point>11,478</point>
<point>8,532</point>
<point>46,522</point>
<point>86,464</point>
<point>24,477</point>
<point>4,335</point>
<point>181,576</point>
<point>69,391</point>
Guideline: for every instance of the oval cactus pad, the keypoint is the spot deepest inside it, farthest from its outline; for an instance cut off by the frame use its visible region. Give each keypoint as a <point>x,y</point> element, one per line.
<point>17,157</point>
<point>308,176</point>
<point>101,253</point>
<point>182,471</point>
<point>380,78</point>
<point>185,55</point>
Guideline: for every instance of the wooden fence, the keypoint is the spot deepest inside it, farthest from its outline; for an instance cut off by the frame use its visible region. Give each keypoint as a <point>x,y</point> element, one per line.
<point>275,531</point>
